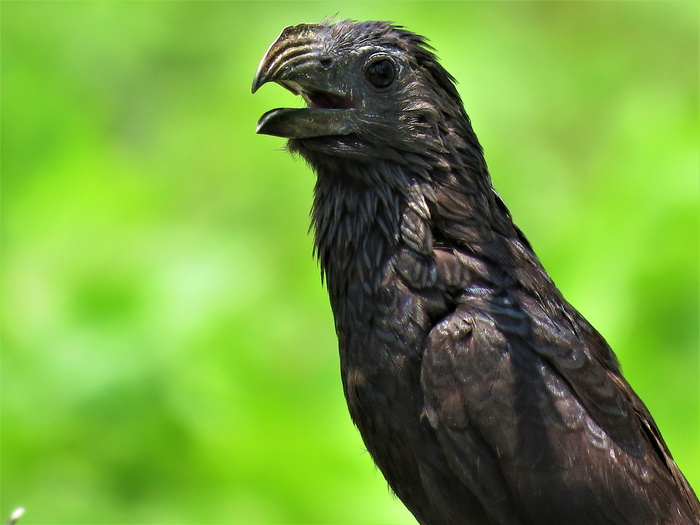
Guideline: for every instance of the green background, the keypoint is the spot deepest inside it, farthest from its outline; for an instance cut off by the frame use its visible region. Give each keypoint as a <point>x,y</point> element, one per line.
<point>168,350</point>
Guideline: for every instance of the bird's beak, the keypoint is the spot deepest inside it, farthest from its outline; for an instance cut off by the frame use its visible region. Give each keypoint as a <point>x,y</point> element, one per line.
<point>296,62</point>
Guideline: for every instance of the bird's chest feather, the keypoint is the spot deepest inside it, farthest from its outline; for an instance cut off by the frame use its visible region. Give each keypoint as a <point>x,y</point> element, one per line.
<point>376,253</point>
<point>381,330</point>
<point>382,323</point>
<point>382,327</point>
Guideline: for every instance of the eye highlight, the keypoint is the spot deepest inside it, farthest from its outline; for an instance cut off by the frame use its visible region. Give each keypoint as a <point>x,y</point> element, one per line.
<point>380,72</point>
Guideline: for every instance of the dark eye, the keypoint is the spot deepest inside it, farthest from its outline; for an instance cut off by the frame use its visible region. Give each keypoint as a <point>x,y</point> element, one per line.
<point>380,72</point>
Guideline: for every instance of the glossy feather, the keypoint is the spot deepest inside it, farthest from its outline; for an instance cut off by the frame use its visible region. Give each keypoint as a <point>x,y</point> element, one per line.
<point>483,396</point>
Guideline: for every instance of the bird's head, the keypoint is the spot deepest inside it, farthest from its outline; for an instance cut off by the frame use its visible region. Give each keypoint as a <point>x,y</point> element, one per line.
<point>374,91</point>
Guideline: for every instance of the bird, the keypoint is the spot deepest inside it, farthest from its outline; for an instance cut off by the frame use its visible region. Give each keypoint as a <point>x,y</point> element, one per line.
<point>480,393</point>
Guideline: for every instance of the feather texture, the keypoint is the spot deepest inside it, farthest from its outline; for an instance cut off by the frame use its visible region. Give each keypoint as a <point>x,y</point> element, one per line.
<point>483,396</point>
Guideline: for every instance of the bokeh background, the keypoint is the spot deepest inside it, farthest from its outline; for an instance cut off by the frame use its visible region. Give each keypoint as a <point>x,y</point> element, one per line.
<point>168,350</point>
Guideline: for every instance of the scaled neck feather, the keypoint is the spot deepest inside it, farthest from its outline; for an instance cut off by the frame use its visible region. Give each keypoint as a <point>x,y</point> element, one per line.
<point>356,217</point>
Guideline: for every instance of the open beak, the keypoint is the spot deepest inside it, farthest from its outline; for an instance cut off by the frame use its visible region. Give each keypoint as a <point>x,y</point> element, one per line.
<point>295,60</point>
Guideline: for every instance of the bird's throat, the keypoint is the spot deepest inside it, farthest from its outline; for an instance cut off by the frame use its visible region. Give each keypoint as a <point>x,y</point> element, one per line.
<point>356,225</point>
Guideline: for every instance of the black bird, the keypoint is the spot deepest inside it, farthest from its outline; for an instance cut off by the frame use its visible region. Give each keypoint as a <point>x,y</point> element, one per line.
<point>482,395</point>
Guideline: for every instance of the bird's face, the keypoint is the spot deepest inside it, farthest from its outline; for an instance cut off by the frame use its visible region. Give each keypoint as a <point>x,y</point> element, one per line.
<point>365,88</point>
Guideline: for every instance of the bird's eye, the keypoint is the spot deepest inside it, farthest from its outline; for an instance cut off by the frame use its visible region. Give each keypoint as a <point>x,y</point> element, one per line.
<point>380,72</point>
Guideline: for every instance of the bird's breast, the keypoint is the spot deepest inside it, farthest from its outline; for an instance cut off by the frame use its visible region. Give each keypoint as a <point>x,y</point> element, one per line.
<point>382,325</point>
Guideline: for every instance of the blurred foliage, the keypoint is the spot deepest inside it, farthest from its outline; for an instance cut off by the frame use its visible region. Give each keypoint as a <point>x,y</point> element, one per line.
<point>168,352</point>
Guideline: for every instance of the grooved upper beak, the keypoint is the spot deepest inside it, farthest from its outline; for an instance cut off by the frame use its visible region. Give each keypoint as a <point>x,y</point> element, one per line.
<point>295,47</point>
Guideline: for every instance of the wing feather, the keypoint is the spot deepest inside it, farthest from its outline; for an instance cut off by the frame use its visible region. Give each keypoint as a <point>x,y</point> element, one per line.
<point>537,426</point>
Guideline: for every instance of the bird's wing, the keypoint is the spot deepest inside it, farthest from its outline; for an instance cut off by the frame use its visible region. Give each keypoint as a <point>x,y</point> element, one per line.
<point>528,416</point>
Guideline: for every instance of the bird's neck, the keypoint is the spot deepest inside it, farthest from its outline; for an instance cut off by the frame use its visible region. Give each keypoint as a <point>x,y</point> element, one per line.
<point>360,214</point>
<point>356,224</point>
<point>360,205</point>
